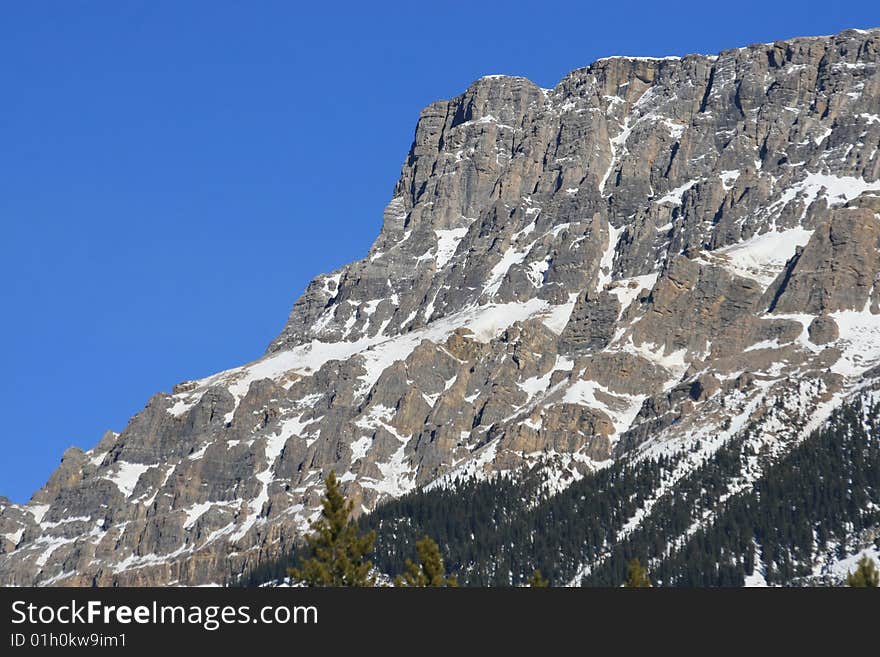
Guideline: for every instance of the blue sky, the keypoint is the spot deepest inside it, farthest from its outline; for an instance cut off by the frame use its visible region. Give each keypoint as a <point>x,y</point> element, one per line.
<point>172,174</point>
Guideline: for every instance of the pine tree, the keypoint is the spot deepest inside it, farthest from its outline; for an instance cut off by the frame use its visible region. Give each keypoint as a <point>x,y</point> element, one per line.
<point>537,581</point>
<point>430,570</point>
<point>865,575</point>
<point>337,552</point>
<point>636,575</point>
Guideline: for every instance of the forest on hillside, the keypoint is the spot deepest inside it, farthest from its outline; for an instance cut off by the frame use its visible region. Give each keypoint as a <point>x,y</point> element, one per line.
<point>703,531</point>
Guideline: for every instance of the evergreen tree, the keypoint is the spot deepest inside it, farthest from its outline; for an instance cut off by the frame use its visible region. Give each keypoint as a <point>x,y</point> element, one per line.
<point>865,575</point>
<point>430,570</point>
<point>636,575</point>
<point>336,551</point>
<point>537,580</point>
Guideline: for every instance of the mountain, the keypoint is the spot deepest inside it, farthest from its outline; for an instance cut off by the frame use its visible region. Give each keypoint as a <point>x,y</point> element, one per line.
<point>651,264</point>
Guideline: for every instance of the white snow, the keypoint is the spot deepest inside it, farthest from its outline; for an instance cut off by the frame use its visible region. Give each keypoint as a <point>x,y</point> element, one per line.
<point>331,283</point>
<point>529,229</point>
<point>710,442</point>
<point>126,475</point>
<point>199,453</point>
<point>728,178</point>
<point>825,134</point>
<point>15,536</point>
<point>755,580</point>
<point>493,320</point>
<point>674,362</point>
<point>606,263</point>
<point>194,512</point>
<point>409,318</point>
<point>838,190</point>
<point>639,59</point>
<point>676,130</point>
<point>303,359</point>
<point>274,446</point>
<point>64,521</point>
<point>369,307</point>
<point>764,344</point>
<point>803,340</point>
<point>557,318</point>
<point>859,339</point>
<point>47,545</point>
<point>511,257</point>
<point>182,405</point>
<point>398,476</point>
<point>617,143</point>
<point>621,414</point>
<point>485,322</point>
<point>536,270</point>
<point>472,465</point>
<point>447,243</point>
<point>360,447</point>
<point>536,384</point>
<point>379,415</point>
<point>674,197</point>
<point>38,511</point>
<point>845,566</point>
<point>626,290</point>
<point>275,443</point>
<point>763,256</point>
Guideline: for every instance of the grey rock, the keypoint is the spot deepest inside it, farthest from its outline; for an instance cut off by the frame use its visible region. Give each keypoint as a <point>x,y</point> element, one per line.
<point>823,329</point>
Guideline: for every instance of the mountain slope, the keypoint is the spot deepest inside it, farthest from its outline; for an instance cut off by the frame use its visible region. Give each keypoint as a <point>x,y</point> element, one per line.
<point>651,258</point>
<point>803,521</point>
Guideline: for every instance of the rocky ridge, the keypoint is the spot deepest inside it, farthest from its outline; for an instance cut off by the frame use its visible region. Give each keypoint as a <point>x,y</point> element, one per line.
<point>649,255</point>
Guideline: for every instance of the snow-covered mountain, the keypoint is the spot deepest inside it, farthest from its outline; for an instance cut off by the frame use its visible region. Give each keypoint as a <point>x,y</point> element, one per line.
<point>650,256</point>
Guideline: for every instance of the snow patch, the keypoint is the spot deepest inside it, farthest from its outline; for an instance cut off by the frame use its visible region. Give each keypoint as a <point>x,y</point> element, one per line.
<point>728,178</point>
<point>38,511</point>
<point>557,318</point>
<point>15,536</point>
<point>606,263</point>
<point>447,243</point>
<point>621,414</point>
<point>194,512</point>
<point>626,290</point>
<point>360,447</point>
<point>825,134</point>
<point>859,340</point>
<point>674,197</point>
<point>536,270</point>
<point>126,475</point>
<point>763,256</point>
<point>499,271</point>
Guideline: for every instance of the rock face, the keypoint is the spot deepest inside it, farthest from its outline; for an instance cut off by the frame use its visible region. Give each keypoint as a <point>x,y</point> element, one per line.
<point>653,253</point>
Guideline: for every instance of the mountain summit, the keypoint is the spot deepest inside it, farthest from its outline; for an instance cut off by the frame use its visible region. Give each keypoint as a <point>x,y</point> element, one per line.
<point>655,256</point>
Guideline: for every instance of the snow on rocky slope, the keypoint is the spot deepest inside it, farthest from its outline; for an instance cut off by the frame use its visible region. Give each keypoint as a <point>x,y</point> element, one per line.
<point>650,254</point>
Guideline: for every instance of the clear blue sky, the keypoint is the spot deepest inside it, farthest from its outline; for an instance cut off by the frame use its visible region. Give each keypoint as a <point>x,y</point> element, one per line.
<point>172,174</point>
